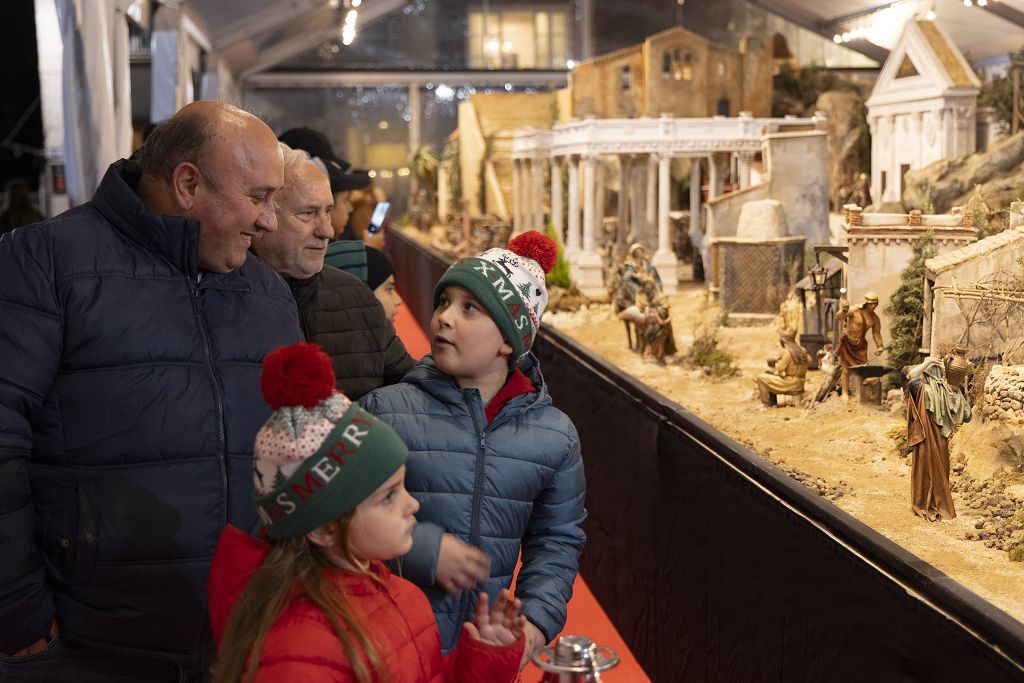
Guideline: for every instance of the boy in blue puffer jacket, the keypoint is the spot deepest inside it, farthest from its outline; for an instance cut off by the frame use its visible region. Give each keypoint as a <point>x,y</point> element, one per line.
<point>495,466</point>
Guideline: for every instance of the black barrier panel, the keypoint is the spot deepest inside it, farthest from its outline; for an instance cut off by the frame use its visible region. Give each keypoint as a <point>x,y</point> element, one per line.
<point>417,269</point>
<point>716,566</point>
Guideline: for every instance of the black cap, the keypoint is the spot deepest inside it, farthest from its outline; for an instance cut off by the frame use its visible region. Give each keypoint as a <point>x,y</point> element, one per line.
<point>378,267</point>
<point>343,177</point>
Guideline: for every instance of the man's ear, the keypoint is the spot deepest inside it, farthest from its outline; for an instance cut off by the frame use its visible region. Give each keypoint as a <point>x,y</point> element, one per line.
<point>184,184</point>
<point>505,350</point>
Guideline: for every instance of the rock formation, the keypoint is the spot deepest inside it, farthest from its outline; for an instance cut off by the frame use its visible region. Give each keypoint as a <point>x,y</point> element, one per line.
<point>999,171</point>
<point>845,109</point>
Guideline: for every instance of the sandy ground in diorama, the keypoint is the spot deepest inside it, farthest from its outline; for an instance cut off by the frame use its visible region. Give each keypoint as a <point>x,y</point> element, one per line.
<point>843,448</point>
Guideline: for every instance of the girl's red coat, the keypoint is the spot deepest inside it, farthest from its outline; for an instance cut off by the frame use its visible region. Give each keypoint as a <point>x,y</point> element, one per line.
<point>302,644</point>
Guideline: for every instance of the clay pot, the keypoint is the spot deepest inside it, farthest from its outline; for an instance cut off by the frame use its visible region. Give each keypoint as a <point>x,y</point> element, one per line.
<point>956,365</point>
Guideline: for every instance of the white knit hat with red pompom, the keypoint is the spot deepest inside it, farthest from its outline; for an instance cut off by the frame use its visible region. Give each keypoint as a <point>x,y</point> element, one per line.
<point>319,454</point>
<point>509,283</point>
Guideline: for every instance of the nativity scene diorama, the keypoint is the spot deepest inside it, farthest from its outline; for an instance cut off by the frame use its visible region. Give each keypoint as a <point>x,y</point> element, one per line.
<point>856,320</point>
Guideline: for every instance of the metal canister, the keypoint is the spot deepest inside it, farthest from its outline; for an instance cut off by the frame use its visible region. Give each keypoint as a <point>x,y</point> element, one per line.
<point>574,659</point>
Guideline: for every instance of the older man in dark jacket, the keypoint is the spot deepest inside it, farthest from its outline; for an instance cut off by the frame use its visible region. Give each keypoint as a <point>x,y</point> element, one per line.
<point>133,331</point>
<point>337,310</point>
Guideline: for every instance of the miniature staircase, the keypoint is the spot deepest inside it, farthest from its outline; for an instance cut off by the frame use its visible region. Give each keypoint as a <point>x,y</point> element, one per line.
<point>501,116</point>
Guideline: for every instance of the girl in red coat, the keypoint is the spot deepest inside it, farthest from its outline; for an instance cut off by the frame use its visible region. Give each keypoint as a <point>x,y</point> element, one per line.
<point>313,602</point>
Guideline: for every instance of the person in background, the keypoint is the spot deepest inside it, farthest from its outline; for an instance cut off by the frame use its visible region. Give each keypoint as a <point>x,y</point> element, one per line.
<point>336,310</point>
<point>18,210</point>
<point>344,179</point>
<point>380,278</point>
<point>133,331</point>
<point>314,602</point>
<point>495,466</point>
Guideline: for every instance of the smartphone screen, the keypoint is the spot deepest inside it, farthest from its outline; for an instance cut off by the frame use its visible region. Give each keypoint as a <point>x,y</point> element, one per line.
<point>380,214</point>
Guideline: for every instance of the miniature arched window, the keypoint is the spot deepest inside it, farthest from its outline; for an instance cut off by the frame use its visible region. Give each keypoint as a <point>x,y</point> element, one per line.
<point>626,78</point>
<point>686,73</point>
<point>666,66</point>
<point>723,107</point>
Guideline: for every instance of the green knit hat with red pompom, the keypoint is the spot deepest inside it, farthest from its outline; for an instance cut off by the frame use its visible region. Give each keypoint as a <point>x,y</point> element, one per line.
<point>318,455</point>
<point>509,283</point>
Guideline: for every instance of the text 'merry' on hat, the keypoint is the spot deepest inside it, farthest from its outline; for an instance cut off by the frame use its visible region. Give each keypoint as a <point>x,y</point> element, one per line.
<point>343,177</point>
<point>510,284</point>
<point>319,455</point>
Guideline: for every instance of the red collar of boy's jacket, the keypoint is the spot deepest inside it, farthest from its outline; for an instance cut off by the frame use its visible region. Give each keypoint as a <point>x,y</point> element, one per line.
<point>516,384</point>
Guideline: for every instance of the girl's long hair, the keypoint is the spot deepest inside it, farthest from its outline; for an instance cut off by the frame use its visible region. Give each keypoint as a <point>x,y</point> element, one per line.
<point>294,568</point>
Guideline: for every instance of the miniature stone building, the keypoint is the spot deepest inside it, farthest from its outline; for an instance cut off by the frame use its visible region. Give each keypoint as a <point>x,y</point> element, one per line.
<point>921,110</point>
<point>645,149</point>
<point>957,283</point>
<point>755,269</point>
<point>487,123</point>
<point>880,246</point>
<point>675,72</point>
<point>795,173</point>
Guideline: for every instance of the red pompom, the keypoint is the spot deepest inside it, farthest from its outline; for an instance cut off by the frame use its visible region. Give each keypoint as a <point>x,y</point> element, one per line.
<point>536,246</point>
<point>296,375</point>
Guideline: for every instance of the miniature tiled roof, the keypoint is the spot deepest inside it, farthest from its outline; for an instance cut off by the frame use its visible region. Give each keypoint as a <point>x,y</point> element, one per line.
<point>945,52</point>
<point>979,248</point>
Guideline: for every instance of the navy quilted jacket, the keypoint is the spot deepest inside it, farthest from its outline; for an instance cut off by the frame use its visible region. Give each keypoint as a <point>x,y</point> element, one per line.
<point>516,482</point>
<point>129,403</point>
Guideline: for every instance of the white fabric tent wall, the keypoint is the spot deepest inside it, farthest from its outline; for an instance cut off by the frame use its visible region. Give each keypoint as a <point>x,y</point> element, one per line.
<point>96,91</point>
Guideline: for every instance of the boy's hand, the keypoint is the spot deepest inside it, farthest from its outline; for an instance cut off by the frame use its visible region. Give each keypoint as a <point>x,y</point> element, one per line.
<point>534,639</point>
<point>460,566</point>
<point>502,626</point>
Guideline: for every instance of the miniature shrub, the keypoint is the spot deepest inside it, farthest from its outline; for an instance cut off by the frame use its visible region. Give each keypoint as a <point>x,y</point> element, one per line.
<point>559,275</point>
<point>705,353</point>
<point>906,310</point>
<point>1017,553</point>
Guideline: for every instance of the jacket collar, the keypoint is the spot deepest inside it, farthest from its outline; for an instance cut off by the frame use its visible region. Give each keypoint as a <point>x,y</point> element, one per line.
<point>302,290</point>
<point>172,237</point>
<point>430,379</point>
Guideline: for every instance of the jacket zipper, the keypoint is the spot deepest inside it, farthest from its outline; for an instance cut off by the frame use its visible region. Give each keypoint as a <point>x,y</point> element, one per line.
<point>218,394</point>
<point>478,486</point>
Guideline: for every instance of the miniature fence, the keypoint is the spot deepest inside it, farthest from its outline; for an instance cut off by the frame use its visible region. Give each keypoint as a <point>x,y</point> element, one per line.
<point>714,565</point>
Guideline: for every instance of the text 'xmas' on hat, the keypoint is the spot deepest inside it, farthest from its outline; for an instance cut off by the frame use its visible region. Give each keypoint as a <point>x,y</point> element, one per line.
<point>509,283</point>
<point>318,455</point>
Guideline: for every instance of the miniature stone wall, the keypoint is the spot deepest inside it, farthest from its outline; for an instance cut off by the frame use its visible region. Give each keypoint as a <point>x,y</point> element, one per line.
<point>1004,395</point>
<point>958,272</point>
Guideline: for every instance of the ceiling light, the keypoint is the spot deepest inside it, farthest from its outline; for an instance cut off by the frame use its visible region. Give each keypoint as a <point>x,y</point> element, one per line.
<point>837,38</point>
<point>930,16</point>
<point>968,3</point>
<point>982,3</point>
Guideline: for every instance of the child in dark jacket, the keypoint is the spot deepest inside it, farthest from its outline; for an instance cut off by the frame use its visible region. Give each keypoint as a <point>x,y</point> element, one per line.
<point>313,602</point>
<point>495,466</point>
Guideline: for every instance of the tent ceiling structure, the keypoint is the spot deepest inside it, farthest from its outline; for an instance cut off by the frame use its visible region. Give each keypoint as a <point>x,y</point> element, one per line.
<point>254,36</point>
<point>986,33</point>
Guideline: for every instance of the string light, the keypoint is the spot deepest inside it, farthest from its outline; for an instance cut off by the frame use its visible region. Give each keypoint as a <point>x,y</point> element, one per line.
<point>348,29</point>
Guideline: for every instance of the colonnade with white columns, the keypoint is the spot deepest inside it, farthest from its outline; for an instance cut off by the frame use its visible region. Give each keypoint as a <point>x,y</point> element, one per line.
<point>644,149</point>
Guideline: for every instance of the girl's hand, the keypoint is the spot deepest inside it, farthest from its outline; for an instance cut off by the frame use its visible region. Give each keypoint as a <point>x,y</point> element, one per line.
<point>502,625</point>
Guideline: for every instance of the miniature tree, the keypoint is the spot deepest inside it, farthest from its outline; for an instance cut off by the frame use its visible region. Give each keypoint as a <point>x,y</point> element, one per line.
<point>906,308</point>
